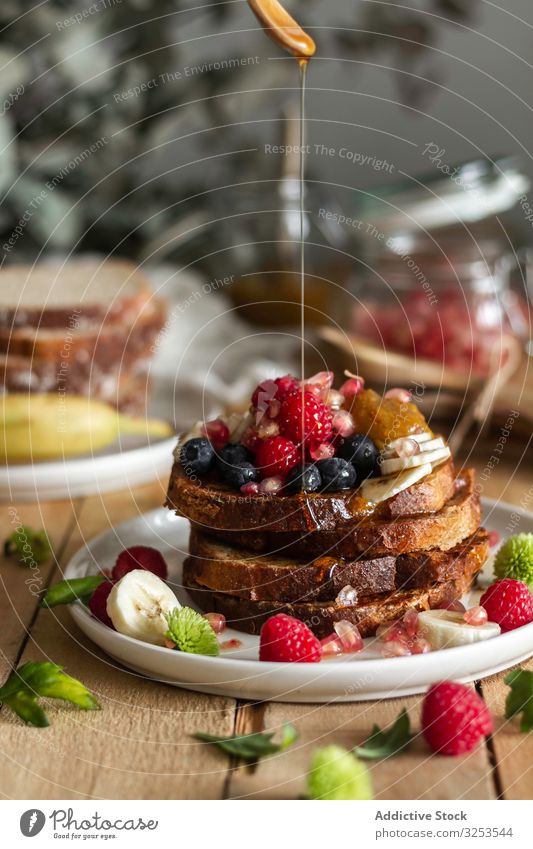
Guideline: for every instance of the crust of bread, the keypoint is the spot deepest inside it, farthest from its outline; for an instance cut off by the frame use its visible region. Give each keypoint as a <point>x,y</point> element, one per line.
<point>372,536</point>
<point>369,612</point>
<point>111,345</point>
<point>214,506</point>
<point>222,568</point>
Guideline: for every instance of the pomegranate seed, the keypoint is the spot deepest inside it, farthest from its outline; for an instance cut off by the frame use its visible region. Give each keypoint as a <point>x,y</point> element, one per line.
<point>347,596</point>
<point>398,394</point>
<point>406,447</point>
<point>250,439</point>
<point>270,486</point>
<point>267,428</point>
<point>494,538</point>
<point>217,432</point>
<point>334,399</point>
<point>323,379</point>
<point>352,387</point>
<point>395,648</point>
<point>420,646</point>
<point>231,644</point>
<point>476,616</point>
<point>343,423</point>
<point>169,644</point>
<point>410,623</point>
<point>217,621</point>
<point>349,636</point>
<point>454,604</point>
<point>331,646</point>
<point>391,632</point>
<point>322,451</point>
<point>250,488</point>
<point>262,396</point>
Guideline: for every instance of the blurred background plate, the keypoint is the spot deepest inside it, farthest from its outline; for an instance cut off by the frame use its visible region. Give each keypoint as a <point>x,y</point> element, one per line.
<point>120,467</point>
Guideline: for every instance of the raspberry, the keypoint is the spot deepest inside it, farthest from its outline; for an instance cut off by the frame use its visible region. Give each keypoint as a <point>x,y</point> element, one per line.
<point>454,718</point>
<point>286,639</point>
<point>509,603</point>
<point>139,557</point>
<point>276,456</point>
<point>316,419</point>
<point>270,389</point>
<point>98,603</point>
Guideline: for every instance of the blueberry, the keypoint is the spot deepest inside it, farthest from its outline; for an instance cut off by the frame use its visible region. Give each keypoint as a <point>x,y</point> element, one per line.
<point>233,454</point>
<point>196,456</point>
<point>337,473</point>
<point>304,479</point>
<point>237,476</point>
<point>362,453</point>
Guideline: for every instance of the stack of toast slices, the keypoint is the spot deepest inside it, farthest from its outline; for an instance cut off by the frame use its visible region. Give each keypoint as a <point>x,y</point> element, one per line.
<point>83,328</point>
<point>325,557</point>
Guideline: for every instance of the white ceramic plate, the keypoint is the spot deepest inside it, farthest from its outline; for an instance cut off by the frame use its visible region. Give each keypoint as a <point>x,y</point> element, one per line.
<point>122,465</point>
<point>239,673</point>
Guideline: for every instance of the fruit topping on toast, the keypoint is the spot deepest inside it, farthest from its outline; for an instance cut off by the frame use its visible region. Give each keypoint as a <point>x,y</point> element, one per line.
<point>308,437</point>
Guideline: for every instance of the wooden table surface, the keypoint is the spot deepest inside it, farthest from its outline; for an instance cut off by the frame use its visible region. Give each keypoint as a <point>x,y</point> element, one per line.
<point>140,746</point>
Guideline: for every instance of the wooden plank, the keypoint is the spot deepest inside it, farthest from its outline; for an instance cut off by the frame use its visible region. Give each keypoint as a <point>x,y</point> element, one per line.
<point>21,584</point>
<point>416,774</point>
<point>139,745</point>
<point>513,751</point>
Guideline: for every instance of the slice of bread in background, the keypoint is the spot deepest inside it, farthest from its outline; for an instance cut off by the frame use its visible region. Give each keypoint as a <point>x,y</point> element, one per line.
<point>91,292</point>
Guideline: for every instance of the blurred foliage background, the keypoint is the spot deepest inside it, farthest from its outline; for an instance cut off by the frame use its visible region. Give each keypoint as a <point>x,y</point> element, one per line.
<point>65,64</point>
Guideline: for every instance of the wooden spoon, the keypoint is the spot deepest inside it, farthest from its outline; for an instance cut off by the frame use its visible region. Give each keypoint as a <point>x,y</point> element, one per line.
<point>283,29</point>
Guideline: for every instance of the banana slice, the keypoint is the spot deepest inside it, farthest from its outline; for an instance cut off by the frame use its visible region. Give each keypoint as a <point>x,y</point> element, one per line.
<point>446,628</point>
<point>379,489</point>
<point>425,445</point>
<point>137,605</point>
<point>398,464</point>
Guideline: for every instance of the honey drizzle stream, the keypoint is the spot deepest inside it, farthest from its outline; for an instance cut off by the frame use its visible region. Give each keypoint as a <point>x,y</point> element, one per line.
<point>303,68</point>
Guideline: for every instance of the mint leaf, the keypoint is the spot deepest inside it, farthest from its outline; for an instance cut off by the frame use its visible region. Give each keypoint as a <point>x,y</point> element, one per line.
<point>78,589</point>
<point>191,632</point>
<point>29,545</point>
<point>35,679</point>
<point>520,697</point>
<point>252,747</point>
<point>387,744</point>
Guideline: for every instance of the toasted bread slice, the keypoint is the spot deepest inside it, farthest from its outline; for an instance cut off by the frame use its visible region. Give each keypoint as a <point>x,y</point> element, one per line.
<point>214,506</point>
<point>50,295</point>
<point>373,536</point>
<point>221,568</point>
<point>367,614</point>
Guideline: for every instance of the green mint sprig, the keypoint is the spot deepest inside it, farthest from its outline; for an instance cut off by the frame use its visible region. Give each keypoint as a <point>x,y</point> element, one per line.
<point>252,747</point>
<point>77,589</point>
<point>191,632</point>
<point>29,545</point>
<point>33,680</point>
<point>520,697</point>
<point>387,744</point>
